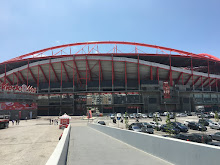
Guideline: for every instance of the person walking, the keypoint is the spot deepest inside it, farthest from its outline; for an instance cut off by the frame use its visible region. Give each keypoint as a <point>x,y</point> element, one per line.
<point>16,121</point>
<point>12,122</point>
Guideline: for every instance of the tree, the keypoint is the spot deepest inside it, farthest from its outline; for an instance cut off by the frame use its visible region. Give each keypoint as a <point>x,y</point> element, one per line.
<point>156,120</point>
<point>216,116</point>
<point>126,120</point>
<point>168,125</point>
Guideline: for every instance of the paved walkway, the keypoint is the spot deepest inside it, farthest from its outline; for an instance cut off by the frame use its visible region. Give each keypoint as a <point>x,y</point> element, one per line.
<point>88,146</point>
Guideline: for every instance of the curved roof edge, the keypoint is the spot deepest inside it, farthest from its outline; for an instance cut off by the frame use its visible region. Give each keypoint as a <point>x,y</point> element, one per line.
<point>183,53</point>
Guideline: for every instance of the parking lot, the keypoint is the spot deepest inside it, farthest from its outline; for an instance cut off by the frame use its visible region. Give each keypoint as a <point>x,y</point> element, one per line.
<point>109,122</point>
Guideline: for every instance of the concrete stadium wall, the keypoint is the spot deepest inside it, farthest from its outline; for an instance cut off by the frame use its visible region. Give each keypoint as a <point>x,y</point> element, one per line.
<point>172,150</point>
<point>59,155</point>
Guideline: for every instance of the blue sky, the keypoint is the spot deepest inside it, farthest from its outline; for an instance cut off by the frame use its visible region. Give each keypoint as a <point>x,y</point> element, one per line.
<point>190,25</point>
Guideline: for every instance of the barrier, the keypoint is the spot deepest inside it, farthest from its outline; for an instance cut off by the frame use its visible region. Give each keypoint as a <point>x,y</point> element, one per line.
<point>59,156</point>
<point>172,150</point>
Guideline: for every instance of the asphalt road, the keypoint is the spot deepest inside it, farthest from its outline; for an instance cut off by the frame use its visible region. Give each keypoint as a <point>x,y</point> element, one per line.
<point>89,146</point>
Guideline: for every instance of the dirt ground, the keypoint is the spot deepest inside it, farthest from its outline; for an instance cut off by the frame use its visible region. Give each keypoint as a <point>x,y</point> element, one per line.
<point>30,142</point>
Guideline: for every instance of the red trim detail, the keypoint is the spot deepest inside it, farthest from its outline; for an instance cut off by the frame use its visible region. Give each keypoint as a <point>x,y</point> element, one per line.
<point>183,53</point>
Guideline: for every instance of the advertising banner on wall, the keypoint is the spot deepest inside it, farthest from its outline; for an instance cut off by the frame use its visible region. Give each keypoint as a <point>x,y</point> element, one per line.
<point>17,106</point>
<point>166,90</point>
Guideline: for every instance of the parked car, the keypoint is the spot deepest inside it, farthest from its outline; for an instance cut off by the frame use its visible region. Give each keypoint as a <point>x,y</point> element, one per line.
<point>150,115</point>
<point>156,114</point>
<point>134,128</point>
<point>186,122</point>
<point>187,137</point>
<point>101,122</point>
<point>196,126</point>
<point>155,125</point>
<point>203,122</point>
<point>166,128</point>
<point>158,118</point>
<point>215,136</point>
<point>202,115</point>
<point>131,116</point>
<point>214,125</point>
<point>112,116</point>
<point>147,129</point>
<point>172,116</point>
<point>144,116</point>
<point>138,115</point>
<point>202,138</point>
<point>181,115</point>
<point>180,126</point>
<point>125,116</point>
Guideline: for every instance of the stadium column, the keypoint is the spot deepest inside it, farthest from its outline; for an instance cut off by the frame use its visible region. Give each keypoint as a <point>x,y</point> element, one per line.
<point>209,75</point>
<point>61,76</point>
<point>126,77</point>
<point>138,74</point>
<point>73,74</point>
<point>171,77</point>
<point>5,75</point>
<point>112,74</point>
<point>28,72</point>
<point>158,76</point>
<point>151,74</point>
<point>49,75</point>
<point>192,72</point>
<point>86,72</point>
<point>202,83</point>
<point>99,74</point>
<point>37,78</point>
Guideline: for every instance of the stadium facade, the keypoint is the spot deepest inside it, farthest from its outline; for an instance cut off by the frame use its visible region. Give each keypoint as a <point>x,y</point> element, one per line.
<point>115,76</point>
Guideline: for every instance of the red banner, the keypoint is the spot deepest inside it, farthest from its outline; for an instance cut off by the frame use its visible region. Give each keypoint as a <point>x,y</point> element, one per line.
<point>166,90</point>
<point>17,106</point>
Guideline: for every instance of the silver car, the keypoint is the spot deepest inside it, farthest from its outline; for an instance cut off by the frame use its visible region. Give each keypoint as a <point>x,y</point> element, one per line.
<point>214,125</point>
<point>215,136</point>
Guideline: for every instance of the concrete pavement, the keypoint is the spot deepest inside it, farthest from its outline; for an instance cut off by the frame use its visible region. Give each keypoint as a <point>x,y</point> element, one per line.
<point>88,146</point>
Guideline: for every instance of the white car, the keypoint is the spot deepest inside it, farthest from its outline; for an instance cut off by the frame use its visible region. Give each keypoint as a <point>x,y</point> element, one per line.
<point>186,122</point>
<point>181,115</point>
<point>154,124</point>
<point>144,116</point>
<point>156,114</point>
<point>214,125</point>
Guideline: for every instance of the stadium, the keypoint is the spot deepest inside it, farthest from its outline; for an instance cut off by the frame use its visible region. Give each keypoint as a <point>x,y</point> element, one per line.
<point>108,77</point>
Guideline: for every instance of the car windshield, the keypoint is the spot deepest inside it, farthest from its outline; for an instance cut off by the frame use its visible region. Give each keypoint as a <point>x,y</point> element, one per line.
<point>180,124</point>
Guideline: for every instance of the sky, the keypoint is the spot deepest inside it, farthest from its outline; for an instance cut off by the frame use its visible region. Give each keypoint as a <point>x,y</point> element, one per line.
<point>29,25</point>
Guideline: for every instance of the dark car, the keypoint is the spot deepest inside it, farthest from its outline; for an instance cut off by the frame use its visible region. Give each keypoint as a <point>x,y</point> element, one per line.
<point>202,138</point>
<point>187,137</point>
<point>193,125</point>
<point>134,128</point>
<point>147,129</point>
<point>215,136</point>
<point>180,126</point>
<point>203,122</point>
<point>101,122</point>
<point>167,128</point>
<point>196,126</point>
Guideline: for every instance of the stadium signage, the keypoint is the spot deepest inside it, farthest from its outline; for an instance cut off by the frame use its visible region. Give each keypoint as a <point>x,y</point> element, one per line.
<point>166,90</point>
<point>15,88</point>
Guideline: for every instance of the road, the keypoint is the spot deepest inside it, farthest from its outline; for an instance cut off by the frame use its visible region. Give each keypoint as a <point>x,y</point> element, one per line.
<point>88,146</point>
